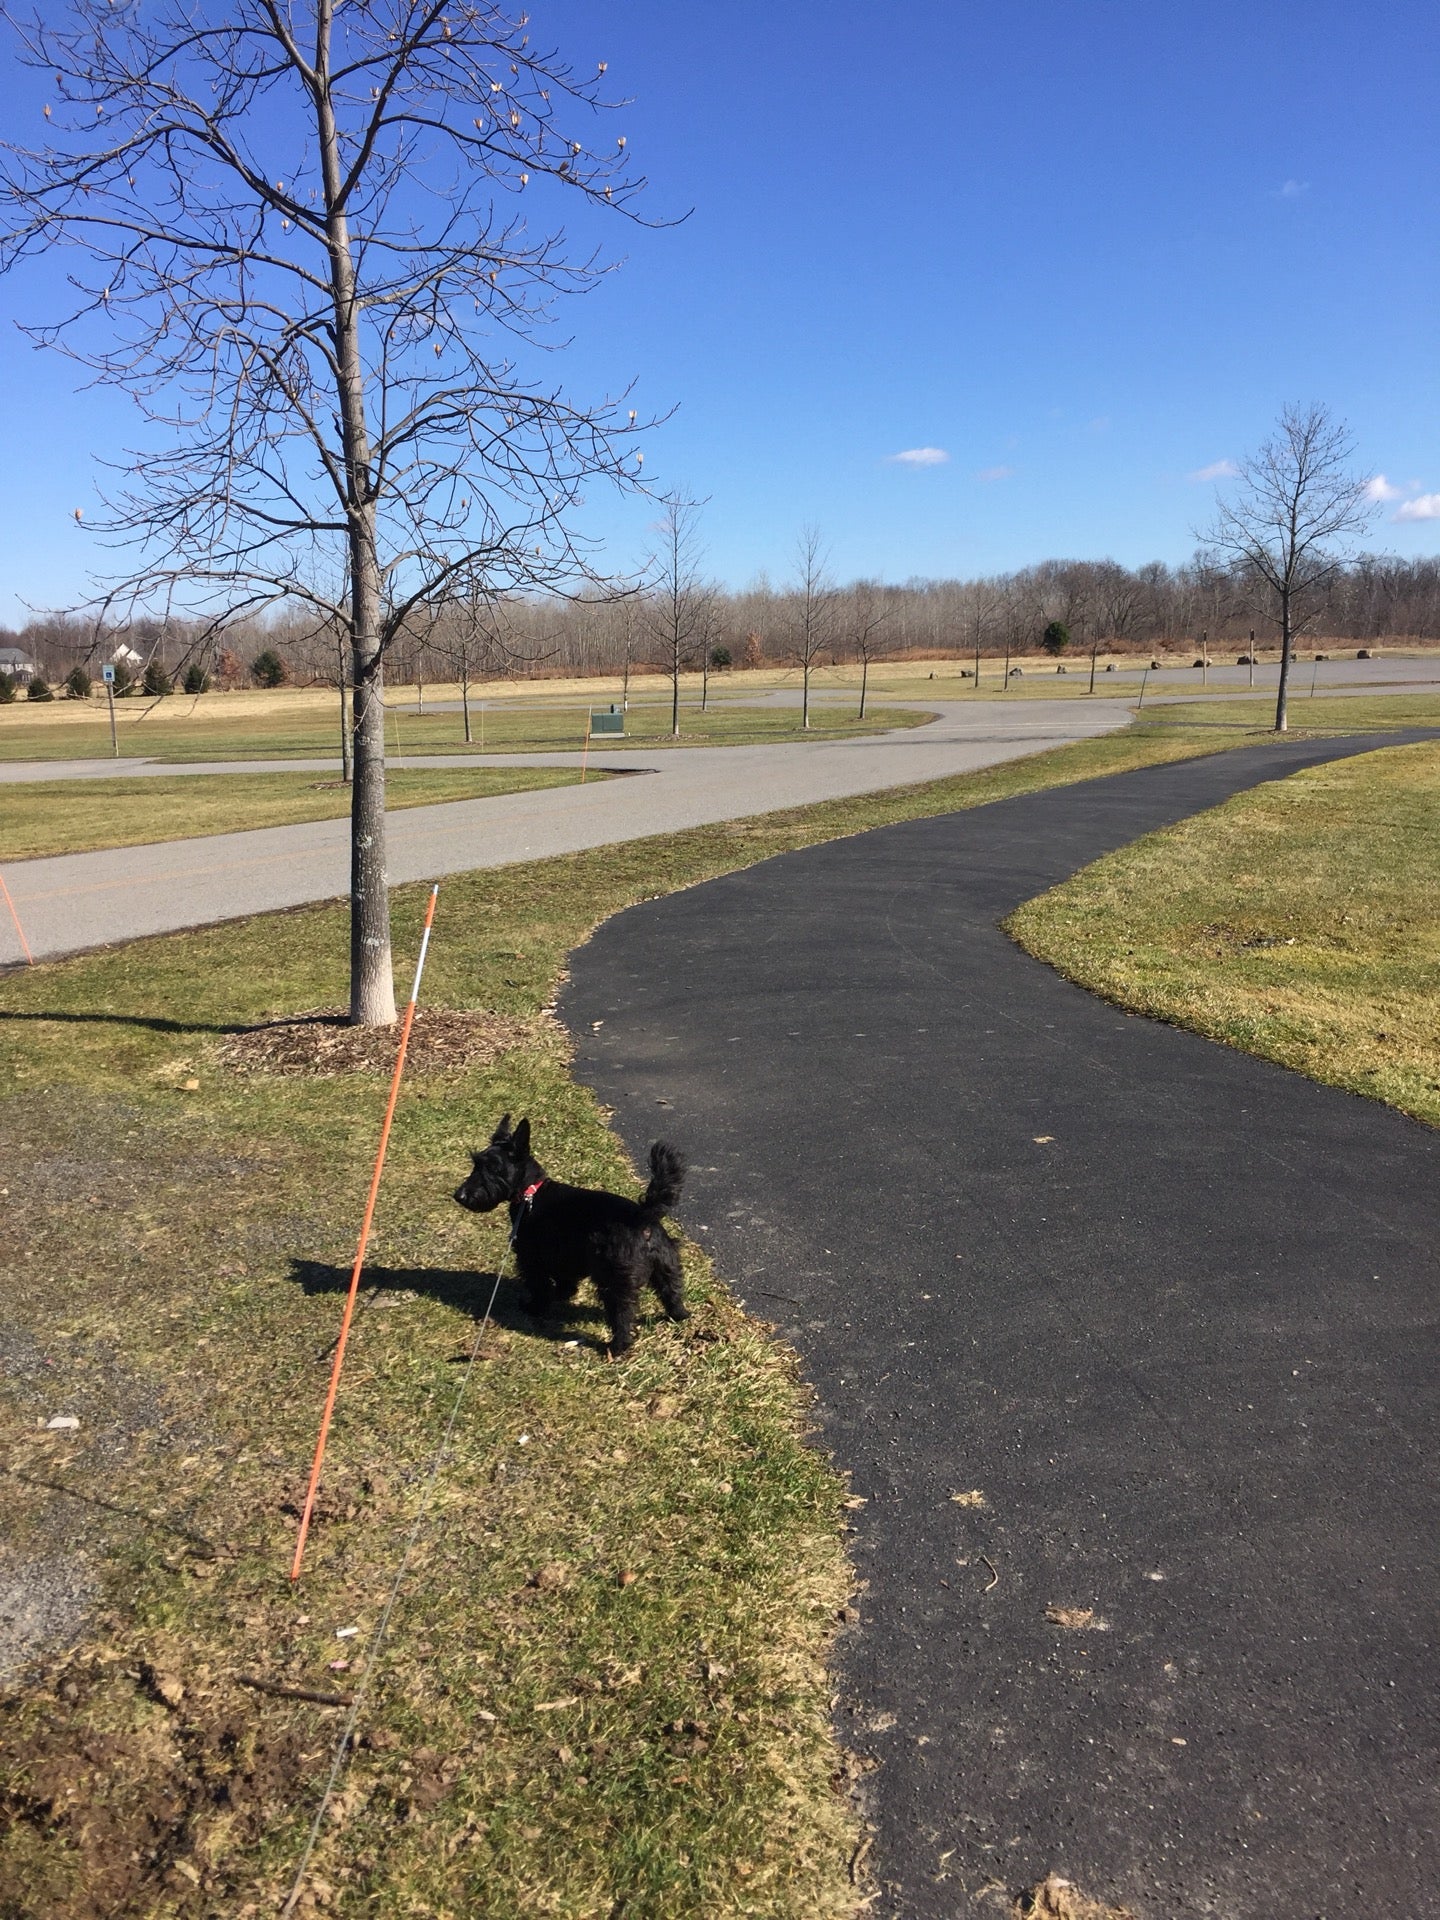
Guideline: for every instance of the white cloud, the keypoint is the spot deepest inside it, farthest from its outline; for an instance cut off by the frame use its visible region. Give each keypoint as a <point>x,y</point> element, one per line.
<point>1293,189</point>
<point>1427,507</point>
<point>1217,470</point>
<point>919,457</point>
<point>994,473</point>
<point>1381,489</point>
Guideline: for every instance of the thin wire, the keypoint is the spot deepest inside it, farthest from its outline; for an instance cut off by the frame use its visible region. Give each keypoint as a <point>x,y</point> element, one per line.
<point>342,1748</point>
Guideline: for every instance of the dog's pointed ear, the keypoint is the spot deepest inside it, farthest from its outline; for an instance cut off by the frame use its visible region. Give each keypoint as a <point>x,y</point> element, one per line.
<point>521,1141</point>
<point>502,1132</point>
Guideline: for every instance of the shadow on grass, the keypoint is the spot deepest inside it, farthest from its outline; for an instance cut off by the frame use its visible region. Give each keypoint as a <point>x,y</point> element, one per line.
<point>157,1023</point>
<point>466,1289</point>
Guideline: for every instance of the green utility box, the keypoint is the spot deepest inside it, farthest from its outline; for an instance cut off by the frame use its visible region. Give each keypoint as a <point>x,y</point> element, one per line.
<point>612,722</point>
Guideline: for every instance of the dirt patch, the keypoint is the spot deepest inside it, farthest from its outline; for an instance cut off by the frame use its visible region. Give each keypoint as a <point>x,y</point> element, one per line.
<point>322,1042</point>
<point>1057,1899</point>
<point>122,1804</point>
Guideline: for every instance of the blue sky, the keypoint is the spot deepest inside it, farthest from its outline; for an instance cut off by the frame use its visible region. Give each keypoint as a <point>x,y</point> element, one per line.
<point>1084,252</point>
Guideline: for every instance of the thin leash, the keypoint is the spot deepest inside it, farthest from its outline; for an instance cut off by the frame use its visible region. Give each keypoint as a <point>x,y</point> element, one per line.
<point>342,1748</point>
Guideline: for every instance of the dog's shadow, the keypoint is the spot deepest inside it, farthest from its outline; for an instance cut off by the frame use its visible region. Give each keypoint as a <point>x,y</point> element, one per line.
<point>466,1289</point>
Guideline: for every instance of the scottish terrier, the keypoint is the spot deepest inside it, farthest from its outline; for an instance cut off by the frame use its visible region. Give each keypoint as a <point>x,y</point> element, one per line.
<point>563,1235</point>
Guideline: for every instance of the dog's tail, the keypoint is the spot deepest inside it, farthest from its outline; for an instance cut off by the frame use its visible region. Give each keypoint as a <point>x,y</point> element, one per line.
<point>667,1175</point>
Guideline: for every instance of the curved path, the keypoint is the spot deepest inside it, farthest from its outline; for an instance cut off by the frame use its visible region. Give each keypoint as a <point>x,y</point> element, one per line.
<point>1161,1313</point>
<point>84,900</point>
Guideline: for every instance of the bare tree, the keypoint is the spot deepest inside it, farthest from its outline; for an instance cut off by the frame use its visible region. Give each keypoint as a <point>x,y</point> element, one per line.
<point>1296,504</point>
<point>986,599</point>
<point>711,629</point>
<point>301,252</point>
<point>866,619</point>
<point>467,641</point>
<point>812,603</point>
<point>1116,597</point>
<point>675,609</point>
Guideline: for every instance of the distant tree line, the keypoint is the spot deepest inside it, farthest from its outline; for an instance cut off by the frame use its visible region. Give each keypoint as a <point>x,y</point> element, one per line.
<point>1150,608</point>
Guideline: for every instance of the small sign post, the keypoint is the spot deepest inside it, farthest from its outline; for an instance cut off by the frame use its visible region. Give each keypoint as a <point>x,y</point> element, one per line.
<point>108,673</point>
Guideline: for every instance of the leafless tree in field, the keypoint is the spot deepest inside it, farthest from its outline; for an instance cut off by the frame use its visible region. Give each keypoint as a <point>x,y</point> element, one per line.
<point>472,640</point>
<point>469,642</point>
<point>711,631</point>
<point>811,612</point>
<point>301,244</point>
<point>1116,596</point>
<point>1289,520</point>
<point>865,620</point>
<point>986,600</point>
<point>675,608</point>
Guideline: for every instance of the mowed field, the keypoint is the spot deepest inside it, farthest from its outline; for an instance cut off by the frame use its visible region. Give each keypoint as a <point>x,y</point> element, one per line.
<point>552,715</point>
<point>44,817</point>
<point>304,722</point>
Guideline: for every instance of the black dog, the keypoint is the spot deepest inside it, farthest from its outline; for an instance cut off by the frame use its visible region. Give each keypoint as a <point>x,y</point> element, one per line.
<point>563,1235</point>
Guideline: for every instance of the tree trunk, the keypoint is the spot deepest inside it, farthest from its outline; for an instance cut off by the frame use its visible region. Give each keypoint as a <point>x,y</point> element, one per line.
<point>372,980</point>
<point>1094,649</point>
<point>864,676</point>
<point>675,693</point>
<point>805,697</point>
<point>465,699</point>
<point>1282,717</point>
<point>977,660</point>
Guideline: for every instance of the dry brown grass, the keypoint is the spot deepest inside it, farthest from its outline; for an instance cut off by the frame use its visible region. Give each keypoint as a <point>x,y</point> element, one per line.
<point>1057,1899</point>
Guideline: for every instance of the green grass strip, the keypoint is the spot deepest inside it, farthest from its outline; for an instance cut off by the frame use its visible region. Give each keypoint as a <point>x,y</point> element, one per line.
<point>1299,922</point>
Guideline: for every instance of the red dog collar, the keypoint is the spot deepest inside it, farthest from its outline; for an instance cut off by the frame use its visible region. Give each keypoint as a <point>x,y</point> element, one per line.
<point>530,1192</point>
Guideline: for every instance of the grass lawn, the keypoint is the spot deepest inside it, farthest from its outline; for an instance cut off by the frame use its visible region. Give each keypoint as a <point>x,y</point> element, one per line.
<point>1300,921</point>
<point>300,722</point>
<point>72,816</point>
<point>605,1685</point>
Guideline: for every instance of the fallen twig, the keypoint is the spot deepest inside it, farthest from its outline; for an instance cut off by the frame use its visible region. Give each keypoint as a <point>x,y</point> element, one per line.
<point>994,1573</point>
<point>296,1693</point>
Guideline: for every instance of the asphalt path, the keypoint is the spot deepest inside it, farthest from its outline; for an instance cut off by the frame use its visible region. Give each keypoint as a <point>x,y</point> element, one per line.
<point>80,900</point>
<point>1102,1317</point>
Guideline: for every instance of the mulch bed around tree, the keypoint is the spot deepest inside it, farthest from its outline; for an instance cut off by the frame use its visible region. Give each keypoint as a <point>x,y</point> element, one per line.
<point>323,1042</point>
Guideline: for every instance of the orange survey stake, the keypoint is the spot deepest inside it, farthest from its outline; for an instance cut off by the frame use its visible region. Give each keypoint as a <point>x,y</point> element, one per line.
<point>356,1270</point>
<point>24,943</point>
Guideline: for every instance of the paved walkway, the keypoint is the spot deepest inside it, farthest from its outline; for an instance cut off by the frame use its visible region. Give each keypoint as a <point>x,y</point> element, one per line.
<point>1103,1317</point>
<point>93,899</point>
